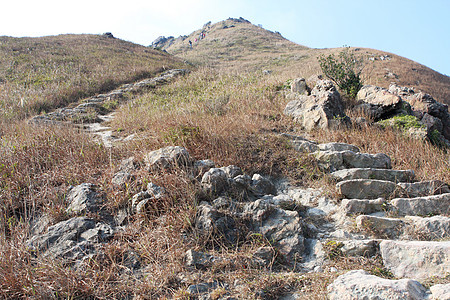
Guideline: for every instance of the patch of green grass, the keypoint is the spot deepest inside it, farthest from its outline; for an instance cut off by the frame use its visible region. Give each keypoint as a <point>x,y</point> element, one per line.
<point>402,122</point>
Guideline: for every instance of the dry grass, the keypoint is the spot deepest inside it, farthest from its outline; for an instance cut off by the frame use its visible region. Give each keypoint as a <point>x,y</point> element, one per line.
<point>40,74</point>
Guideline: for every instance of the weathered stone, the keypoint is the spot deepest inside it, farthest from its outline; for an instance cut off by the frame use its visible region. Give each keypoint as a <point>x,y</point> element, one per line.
<point>210,222</point>
<point>432,228</point>
<point>139,201</point>
<point>377,102</point>
<point>282,227</point>
<point>262,185</point>
<point>83,198</point>
<point>203,166</point>
<point>120,179</point>
<point>362,206</point>
<point>416,259</point>
<point>202,288</point>
<point>129,165</point>
<point>366,188</point>
<point>378,226</point>
<point>304,146</point>
<point>215,181</point>
<point>299,86</point>
<point>379,174</point>
<point>264,256</point>
<point>232,171</point>
<point>366,248</point>
<point>424,188</point>
<point>440,292</point>
<point>422,206</point>
<point>171,156</point>
<point>323,109</point>
<point>338,147</point>
<point>359,284</point>
<point>200,260</point>
<point>338,160</point>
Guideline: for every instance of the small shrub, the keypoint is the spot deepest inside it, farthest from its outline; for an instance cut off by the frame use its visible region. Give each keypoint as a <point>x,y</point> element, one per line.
<point>344,70</point>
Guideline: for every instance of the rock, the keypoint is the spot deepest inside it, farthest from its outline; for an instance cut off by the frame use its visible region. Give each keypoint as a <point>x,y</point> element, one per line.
<point>262,186</point>
<point>215,181</point>
<point>424,188</point>
<point>299,86</point>
<point>367,189</point>
<point>109,35</point>
<point>202,288</point>
<point>338,147</point>
<point>203,166</point>
<point>129,165</point>
<point>210,222</point>
<point>359,284</point>
<point>366,248</point>
<point>139,201</point>
<point>422,206</point>
<point>264,256</point>
<point>338,160</point>
<point>416,259</point>
<point>120,179</point>
<point>171,156</point>
<point>379,174</point>
<point>440,292</point>
<point>323,109</point>
<point>378,226</point>
<point>83,198</point>
<point>362,206</point>
<point>377,102</point>
<point>282,227</point>
<point>200,260</point>
<point>162,42</point>
<point>72,239</point>
<point>232,171</point>
<point>432,228</point>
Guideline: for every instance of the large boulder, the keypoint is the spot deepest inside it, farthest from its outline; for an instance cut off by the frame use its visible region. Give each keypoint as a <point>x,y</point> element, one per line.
<point>377,102</point>
<point>416,259</point>
<point>323,109</point>
<point>359,284</point>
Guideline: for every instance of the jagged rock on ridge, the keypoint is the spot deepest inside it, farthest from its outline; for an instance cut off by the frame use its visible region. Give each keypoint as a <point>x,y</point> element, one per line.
<point>359,284</point>
<point>416,259</point>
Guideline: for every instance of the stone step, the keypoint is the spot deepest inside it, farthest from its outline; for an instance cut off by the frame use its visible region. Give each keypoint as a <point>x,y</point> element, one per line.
<point>424,188</point>
<point>368,189</point>
<point>421,206</point>
<point>369,173</point>
<point>339,160</point>
<point>416,259</point>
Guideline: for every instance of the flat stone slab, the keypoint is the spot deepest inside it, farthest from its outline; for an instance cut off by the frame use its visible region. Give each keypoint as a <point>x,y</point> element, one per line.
<point>416,259</point>
<point>369,173</point>
<point>339,160</point>
<point>379,227</point>
<point>424,188</point>
<point>422,206</point>
<point>359,284</point>
<point>431,228</point>
<point>361,206</point>
<point>338,147</point>
<point>367,189</point>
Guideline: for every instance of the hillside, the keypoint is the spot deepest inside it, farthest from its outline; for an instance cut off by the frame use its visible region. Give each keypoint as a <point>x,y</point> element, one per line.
<point>236,44</point>
<point>40,74</point>
<point>203,180</point>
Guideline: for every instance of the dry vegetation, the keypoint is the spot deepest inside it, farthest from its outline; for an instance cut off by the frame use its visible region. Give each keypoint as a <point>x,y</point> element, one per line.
<point>229,117</point>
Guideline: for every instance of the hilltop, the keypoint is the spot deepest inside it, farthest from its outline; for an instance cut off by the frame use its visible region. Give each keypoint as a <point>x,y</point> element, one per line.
<point>237,44</point>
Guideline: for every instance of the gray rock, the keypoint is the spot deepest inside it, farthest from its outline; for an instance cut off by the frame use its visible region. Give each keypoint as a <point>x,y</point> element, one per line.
<point>338,147</point>
<point>203,166</point>
<point>323,109</point>
<point>416,259</point>
<point>440,292</point>
<point>377,102</point>
<point>120,179</point>
<point>299,86</point>
<point>305,146</point>
<point>367,189</point>
<point>282,227</point>
<point>264,256</point>
<point>366,248</point>
<point>424,188</point>
<point>232,171</point>
<point>262,185</point>
<point>171,156</point>
<point>139,201</point>
<point>433,228</point>
<point>362,206</point>
<point>422,206</point>
<point>379,227</point>
<point>200,260</point>
<point>359,284</point>
<point>83,198</point>
<point>379,174</point>
<point>215,181</point>
<point>202,288</point>
<point>338,160</point>
<point>210,222</point>
<point>129,165</point>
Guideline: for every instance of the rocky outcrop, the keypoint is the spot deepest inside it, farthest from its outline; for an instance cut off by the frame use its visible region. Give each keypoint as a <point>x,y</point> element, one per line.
<point>323,109</point>
<point>168,157</point>
<point>377,102</point>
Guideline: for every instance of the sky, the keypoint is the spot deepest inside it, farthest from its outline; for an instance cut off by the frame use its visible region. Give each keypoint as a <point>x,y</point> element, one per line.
<point>416,29</point>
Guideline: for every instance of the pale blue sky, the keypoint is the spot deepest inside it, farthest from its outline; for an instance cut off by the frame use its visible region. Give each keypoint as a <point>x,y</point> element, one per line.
<point>419,30</point>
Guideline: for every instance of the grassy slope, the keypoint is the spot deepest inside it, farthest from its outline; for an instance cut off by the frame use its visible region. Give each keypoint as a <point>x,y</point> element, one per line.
<point>249,47</point>
<point>40,74</point>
